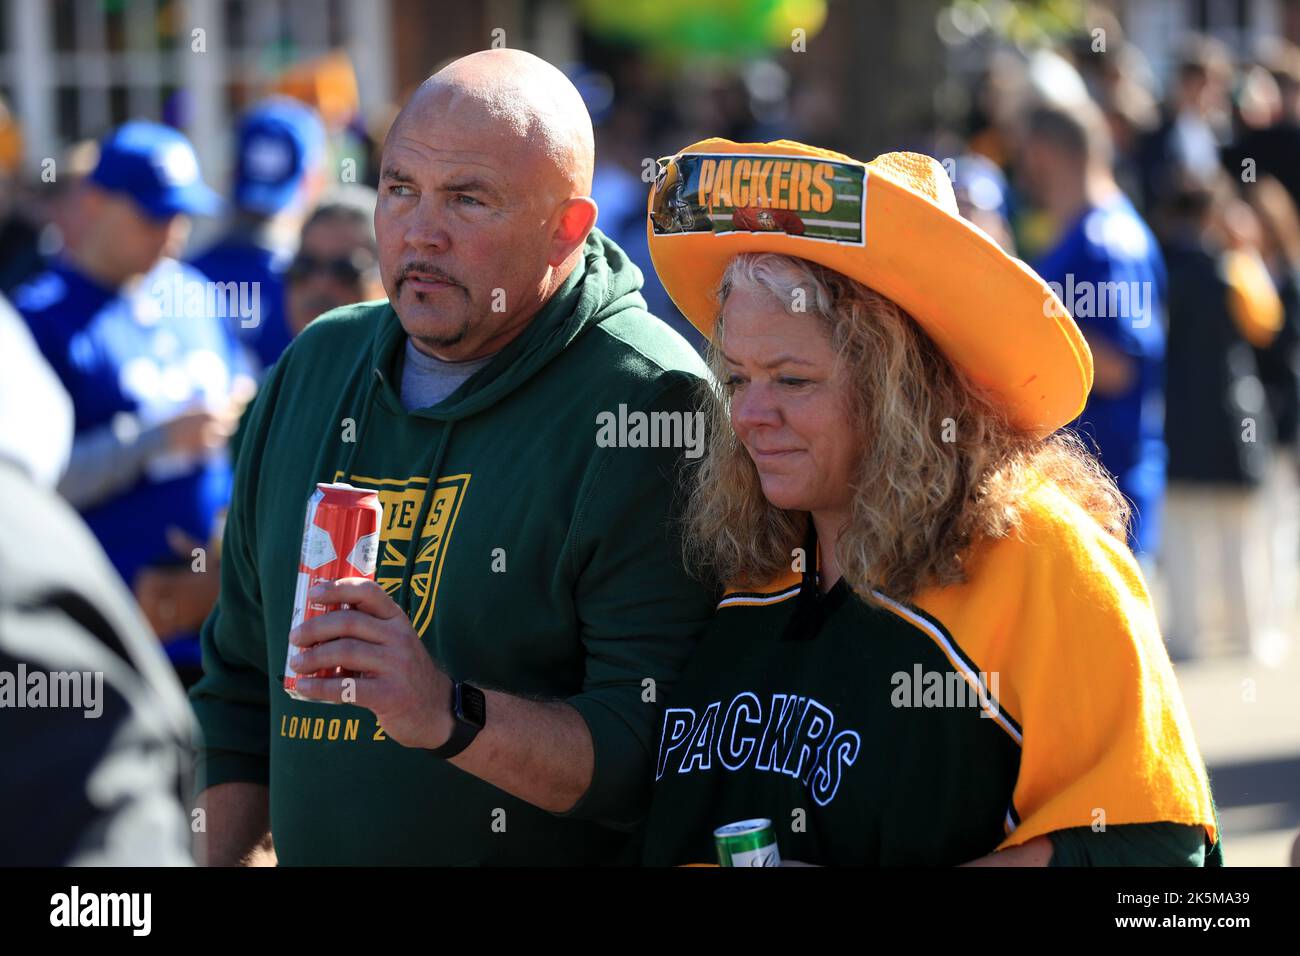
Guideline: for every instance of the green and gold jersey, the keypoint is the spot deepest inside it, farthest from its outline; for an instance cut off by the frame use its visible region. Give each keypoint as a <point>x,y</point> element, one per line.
<point>1035,697</point>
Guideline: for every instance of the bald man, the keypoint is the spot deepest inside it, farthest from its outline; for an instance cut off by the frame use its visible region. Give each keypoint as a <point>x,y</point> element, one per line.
<point>530,609</point>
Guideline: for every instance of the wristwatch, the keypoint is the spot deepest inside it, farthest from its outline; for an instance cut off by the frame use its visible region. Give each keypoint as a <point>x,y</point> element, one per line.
<point>468,714</point>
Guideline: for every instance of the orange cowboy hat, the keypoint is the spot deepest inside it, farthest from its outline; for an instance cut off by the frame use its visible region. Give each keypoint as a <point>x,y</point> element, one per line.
<point>891,224</point>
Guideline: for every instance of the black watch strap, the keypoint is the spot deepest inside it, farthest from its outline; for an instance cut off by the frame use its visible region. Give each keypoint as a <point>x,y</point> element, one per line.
<point>468,714</point>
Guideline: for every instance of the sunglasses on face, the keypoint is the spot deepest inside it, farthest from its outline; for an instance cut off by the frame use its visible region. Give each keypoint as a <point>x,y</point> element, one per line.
<point>348,269</point>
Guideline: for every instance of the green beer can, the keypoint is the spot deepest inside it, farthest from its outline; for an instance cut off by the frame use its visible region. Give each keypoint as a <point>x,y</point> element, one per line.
<point>747,843</point>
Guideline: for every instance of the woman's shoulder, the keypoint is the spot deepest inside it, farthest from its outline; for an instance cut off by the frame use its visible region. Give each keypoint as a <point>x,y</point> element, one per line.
<point>1056,578</point>
<point>1059,611</point>
<point>1055,538</point>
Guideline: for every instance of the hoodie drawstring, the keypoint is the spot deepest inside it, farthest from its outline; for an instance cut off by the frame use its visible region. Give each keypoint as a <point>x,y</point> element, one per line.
<point>376,380</point>
<point>412,549</point>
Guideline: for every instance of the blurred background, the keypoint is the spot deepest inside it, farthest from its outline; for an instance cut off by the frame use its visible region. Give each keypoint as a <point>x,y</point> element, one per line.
<point>1143,148</point>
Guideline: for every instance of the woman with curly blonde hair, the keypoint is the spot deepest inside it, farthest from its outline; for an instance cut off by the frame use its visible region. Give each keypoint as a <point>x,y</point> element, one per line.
<point>934,646</point>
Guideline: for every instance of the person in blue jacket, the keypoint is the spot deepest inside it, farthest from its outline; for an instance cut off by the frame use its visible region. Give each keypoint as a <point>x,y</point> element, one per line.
<point>1106,266</point>
<point>145,348</point>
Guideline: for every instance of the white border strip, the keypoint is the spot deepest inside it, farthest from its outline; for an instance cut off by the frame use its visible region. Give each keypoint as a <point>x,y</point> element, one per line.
<point>763,599</point>
<point>955,659</point>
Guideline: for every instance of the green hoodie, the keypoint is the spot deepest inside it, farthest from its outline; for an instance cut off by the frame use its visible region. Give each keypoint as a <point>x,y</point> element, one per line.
<point>549,567</point>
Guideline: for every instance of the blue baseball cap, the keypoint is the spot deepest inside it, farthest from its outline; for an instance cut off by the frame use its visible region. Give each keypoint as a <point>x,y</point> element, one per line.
<point>278,141</point>
<point>155,165</point>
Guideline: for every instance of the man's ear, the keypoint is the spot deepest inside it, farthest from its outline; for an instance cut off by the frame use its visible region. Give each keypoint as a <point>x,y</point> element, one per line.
<point>573,222</point>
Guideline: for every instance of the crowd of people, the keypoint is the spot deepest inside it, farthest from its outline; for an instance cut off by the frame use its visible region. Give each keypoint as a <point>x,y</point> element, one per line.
<point>1167,240</point>
<point>1070,161</point>
<point>1170,230</point>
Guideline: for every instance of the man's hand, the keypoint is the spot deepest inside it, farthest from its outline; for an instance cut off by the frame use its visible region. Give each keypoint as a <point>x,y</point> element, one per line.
<point>177,600</point>
<point>398,680</point>
<point>200,431</point>
<point>539,751</point>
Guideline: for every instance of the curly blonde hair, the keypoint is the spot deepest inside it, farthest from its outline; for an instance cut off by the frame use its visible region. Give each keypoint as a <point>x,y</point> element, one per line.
<point>919,501</point>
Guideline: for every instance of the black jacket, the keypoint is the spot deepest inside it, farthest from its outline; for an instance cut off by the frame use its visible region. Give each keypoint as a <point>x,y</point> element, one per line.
<point>1217,423</point>
<point>1279,364</point>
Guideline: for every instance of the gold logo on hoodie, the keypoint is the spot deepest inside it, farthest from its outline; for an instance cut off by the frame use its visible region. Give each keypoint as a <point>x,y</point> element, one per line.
<point>402,499</point>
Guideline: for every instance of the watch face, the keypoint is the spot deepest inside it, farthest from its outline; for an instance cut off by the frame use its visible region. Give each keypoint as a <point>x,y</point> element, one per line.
<point>473,705</point>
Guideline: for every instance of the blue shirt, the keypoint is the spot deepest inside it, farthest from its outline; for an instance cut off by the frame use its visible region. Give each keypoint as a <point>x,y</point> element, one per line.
<point>236,259</point>
<point>148,353</point>
<point>1109,272</point>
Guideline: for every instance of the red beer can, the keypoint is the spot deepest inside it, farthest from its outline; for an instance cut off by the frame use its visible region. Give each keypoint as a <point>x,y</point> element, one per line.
<point>340,539</point>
